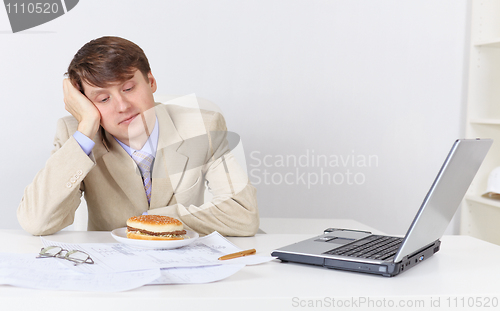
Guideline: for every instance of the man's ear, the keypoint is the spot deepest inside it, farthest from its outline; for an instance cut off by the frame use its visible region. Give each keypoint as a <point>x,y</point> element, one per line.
<point>152,82</point>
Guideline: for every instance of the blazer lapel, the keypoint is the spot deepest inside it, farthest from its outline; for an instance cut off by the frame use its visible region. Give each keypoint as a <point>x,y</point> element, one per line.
<point>169,164</point>
<point>124,172</point>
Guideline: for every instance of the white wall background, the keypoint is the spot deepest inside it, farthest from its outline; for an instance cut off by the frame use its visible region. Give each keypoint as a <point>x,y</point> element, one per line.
<point>294,78</point>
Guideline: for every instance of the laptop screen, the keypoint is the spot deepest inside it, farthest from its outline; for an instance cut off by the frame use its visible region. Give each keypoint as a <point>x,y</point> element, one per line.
<point>445,194</point>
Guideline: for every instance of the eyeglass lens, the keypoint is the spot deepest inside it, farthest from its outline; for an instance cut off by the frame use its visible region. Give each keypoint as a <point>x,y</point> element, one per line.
<point>78,257</point>
<point>51,251</point>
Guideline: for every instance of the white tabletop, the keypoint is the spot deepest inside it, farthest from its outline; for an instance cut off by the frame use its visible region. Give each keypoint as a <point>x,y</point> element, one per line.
<point>464,267</point>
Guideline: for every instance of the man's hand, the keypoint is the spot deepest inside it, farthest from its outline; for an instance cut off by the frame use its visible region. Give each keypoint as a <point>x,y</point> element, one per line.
<point>82,109</point>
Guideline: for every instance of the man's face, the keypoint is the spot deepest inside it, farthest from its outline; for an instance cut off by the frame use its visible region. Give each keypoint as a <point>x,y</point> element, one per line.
<point>123,108</point>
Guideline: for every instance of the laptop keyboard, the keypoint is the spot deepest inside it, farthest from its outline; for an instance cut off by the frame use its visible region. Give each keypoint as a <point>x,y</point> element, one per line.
<point>373,247</point>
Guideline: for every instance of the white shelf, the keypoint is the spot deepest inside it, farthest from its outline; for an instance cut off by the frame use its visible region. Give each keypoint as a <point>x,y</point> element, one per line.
<point>483,200</point>
<point>485,121</point>
<point>491,43</point>
<point>481,215</point>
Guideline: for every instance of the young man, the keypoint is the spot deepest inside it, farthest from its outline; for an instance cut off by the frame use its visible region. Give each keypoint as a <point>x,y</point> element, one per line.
<point>129,155</point>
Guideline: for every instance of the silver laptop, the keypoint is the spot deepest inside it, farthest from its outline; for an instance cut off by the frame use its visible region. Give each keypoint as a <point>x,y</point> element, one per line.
<point>361,251</point>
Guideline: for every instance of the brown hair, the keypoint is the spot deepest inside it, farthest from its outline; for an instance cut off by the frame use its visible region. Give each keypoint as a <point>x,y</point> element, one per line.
<point>107,60</point>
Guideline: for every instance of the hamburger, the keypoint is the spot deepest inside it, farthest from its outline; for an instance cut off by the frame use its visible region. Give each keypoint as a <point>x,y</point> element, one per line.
<point>155,227</point>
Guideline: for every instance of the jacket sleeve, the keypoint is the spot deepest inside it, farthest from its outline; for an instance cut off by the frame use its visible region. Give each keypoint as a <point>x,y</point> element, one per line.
<point>50,201</point>
<point>233,209</point>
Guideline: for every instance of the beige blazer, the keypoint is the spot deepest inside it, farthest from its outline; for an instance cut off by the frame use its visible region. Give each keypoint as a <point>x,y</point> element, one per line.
<point>192,154</point>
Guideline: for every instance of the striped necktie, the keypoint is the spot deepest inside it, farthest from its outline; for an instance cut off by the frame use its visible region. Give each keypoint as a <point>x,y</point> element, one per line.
<point>144,162</point>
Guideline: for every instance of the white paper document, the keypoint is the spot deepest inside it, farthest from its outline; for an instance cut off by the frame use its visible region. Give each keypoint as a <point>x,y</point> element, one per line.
<point>117,257</point>
<point>121,267</point>
<point>197,275</point>
<point>25,270</point>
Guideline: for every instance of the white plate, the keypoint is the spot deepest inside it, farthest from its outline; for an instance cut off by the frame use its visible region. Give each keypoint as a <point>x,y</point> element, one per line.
<point>120,235</point>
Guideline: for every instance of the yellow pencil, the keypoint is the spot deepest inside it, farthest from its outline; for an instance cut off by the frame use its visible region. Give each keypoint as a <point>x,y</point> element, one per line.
<point>238,254</point>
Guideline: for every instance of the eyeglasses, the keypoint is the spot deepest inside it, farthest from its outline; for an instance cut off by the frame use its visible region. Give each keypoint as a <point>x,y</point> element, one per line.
<point>75,256</point>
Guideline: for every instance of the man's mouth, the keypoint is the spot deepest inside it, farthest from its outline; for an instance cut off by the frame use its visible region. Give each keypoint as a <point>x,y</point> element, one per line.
<point>129,119</point>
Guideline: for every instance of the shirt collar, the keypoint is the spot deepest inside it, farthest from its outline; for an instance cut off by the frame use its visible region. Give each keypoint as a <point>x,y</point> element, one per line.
<point>150,145</point>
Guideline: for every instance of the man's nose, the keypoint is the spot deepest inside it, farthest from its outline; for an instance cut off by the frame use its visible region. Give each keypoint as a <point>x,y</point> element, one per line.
<point>122,104</point>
